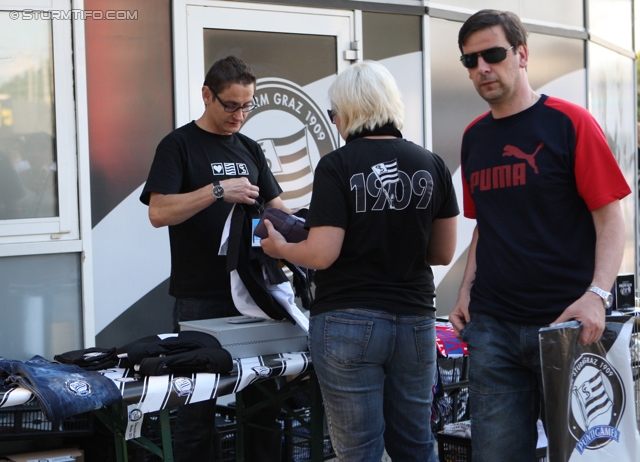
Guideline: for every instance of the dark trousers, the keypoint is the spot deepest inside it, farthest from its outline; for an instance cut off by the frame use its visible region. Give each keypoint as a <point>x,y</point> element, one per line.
<point>195,423</point>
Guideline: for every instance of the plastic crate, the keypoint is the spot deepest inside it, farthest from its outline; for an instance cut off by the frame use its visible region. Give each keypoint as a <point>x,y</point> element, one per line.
<point>224,439</point>
<point>296,444</point>
<point>453,448</point>
<point>453,404</point>
<point>27,421</point>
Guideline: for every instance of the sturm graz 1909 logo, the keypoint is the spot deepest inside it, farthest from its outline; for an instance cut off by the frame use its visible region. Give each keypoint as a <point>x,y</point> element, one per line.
<point>182,386</point>
<point>79,387</point>
<point>293,132</point>
<point>597,402</point>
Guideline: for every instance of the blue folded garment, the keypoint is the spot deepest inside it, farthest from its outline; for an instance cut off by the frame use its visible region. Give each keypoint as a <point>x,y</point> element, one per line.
<point>62,390</point>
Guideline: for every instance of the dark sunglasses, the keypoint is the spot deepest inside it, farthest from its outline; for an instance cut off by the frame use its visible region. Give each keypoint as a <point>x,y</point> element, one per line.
<point>490,56</point>
<point>332,114</point>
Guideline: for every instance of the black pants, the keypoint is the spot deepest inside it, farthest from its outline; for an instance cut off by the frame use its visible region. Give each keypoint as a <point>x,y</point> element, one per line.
<point>195,423</point>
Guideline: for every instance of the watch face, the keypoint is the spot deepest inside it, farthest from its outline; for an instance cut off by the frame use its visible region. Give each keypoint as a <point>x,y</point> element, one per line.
<point>608,301</point>
<point>218,192</point>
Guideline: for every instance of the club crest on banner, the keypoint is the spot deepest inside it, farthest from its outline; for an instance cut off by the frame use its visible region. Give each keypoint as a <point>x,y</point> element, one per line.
<point>293,132</point>
<point>597,402</point>
<point>182,386</point>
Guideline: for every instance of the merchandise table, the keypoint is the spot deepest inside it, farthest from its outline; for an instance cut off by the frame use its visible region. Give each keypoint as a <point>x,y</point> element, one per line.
<point>148,394</point>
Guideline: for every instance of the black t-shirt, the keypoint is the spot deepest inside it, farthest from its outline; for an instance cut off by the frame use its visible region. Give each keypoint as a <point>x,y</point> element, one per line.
<point>383,261</point>
<point>188,159</point>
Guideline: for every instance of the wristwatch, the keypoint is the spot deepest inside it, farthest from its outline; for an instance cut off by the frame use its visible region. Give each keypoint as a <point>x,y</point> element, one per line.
<point>218,191</point>
<point>607,297</point>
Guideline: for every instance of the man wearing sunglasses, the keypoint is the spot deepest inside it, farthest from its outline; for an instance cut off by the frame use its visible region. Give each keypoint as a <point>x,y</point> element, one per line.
<point>198,172</point>
<point>544,187</point>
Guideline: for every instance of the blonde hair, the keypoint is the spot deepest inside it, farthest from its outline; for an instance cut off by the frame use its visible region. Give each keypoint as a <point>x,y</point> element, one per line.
<point>365,96</point>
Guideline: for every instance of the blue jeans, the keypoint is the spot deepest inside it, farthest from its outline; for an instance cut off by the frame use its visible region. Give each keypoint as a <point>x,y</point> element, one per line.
<point>505,389</point>
<point>376,372</point>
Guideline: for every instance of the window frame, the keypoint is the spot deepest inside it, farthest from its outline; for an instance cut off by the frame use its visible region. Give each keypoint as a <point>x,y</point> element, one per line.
<point>65,226</point>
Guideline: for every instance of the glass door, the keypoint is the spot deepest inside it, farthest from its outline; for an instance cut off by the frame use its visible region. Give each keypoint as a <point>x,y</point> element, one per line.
<point>295,54</point>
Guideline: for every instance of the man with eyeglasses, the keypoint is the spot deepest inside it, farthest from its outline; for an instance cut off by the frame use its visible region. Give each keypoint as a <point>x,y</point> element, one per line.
<point>544,187</point>
<point>199,171</point>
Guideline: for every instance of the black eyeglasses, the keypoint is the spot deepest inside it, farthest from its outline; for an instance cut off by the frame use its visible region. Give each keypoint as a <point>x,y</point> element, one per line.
<point>231,108</point>
<point>491,56</point>
<point>332,114</point>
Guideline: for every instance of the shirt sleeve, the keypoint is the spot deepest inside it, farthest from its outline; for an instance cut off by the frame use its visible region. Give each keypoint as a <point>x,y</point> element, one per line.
<point>598,176</point>
<point>167,169</point>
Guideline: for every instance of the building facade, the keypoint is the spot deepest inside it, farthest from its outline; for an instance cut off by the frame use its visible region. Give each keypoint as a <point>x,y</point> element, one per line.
<point>88,89</point>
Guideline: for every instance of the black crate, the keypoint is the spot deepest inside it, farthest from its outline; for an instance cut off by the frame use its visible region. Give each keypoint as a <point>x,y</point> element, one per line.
<point>296,443</point>
<point>453,448</point>
<point>224,439</point>
<point>27,421</point>
<point>452,400</point>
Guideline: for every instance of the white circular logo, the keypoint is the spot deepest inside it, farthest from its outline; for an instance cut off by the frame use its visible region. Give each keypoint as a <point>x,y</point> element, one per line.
<point>135,415</point>
<point>79,387</point>
<point>183,386</point>
<point>293,132</point>
<point>597,402</point>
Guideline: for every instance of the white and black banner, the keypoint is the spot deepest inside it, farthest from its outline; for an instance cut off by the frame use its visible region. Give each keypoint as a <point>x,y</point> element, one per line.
<point>590,394</point>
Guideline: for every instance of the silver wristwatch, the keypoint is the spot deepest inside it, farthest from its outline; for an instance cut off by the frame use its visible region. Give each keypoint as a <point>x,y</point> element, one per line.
<point>218,191</point>
<point>607,297</point>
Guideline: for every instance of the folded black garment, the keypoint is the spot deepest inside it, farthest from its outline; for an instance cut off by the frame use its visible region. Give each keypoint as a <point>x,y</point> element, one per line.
<point>212,360</point>
<point>90,359</point>
<point>62,390</point>
<point>185,341</point>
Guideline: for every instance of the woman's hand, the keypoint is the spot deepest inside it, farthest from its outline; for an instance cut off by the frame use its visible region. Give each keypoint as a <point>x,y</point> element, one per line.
<point>273,243</point>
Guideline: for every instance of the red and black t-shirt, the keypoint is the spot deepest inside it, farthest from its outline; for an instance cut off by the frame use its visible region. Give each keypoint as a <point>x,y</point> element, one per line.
<point>531,181</point>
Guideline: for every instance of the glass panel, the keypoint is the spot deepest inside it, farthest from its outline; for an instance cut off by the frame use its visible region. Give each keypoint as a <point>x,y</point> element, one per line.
<point>40,308</point>
<point>297,57</point>
<point>567,12</point>
<point>294,72</point>
<point>612,100</point>
<point>28,168</point>
<point>612,21</point>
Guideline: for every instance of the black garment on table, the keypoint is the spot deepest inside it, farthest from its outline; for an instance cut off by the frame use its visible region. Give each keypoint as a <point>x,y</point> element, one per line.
<point>90,359</point>
<point>192,352</point>
<point>62,390</point>
<point>212,360</point>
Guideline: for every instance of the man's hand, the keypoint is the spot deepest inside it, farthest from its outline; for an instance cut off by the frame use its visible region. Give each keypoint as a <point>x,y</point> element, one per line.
<point>272,244</point>
<point>459,317</point>
<point>239,190</point>
<point>589,310</point>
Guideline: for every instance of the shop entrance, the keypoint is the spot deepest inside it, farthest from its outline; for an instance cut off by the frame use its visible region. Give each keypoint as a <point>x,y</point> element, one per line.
<point>295,54</point>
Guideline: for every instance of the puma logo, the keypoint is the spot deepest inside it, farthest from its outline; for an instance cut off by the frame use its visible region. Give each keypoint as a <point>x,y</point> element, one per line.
<point>510,150</point>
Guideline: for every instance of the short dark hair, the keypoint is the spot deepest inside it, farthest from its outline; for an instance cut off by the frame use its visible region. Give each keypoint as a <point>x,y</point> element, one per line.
<point>513,28</point>
<point>227,71</point>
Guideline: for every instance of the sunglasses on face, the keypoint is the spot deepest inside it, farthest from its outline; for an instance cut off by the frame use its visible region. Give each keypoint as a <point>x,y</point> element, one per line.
<point>332,114</point>
<point>490,56</point>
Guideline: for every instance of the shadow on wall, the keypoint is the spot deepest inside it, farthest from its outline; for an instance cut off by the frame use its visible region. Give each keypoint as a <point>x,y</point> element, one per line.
<point>151,315</point>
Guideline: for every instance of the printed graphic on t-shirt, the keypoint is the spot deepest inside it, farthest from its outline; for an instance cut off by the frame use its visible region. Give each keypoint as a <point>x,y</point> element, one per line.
<point>505,176</point>
<point>391,188</point>
<point>510,150</point>
<point>229,169</point>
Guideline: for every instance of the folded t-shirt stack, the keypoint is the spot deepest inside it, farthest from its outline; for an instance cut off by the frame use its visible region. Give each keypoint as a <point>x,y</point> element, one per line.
<point>90,359</point>
<point>185,353</point>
